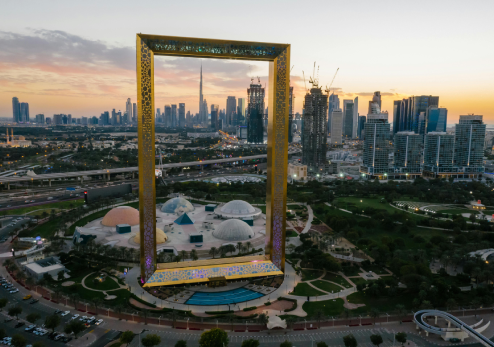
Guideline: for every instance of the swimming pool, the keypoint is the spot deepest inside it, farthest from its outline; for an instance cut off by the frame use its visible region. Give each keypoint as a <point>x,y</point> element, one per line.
<point>223,298</point>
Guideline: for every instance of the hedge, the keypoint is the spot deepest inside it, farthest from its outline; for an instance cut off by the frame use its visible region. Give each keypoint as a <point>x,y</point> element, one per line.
<point>250,308</point>
<point>217,312</point>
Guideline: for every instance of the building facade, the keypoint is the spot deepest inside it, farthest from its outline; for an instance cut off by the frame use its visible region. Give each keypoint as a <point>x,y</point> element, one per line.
<point>315,132</point>
<point>181,115</point>
<point>350,118</point>
<point>438,155</point>
<point>16,110</point>
<point>407,155</point>
<point>333,104</point>
<point>469,146</point>
<point>376,146</point>
<point>255,112</point>
<point>215,125</point>
<point>231,109</point>
<point>436,119</point>
<point>409,114</point>
<point>337,127</point>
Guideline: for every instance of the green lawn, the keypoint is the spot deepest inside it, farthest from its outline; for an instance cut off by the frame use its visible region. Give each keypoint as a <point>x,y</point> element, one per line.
<point>308,275</point>
<point>384,304</point>
<point>360,280</point>
<point>347,202</point>
<point>332,308</point>
<point>107,284</point>
<point>337,279</point>
<point>351,270</point>
<point>45,207</point>
<point>326,286</point>
<point>303,289</point>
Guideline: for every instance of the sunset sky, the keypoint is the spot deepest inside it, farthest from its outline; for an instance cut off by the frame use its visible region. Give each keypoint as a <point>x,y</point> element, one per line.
<point>79,57</point>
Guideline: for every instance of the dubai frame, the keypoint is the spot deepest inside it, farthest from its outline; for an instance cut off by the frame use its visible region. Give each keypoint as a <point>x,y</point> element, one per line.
<point>273,262</point>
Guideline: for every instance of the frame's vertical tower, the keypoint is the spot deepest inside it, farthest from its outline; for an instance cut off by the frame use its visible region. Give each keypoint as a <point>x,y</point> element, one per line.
<point>145,131</point>
<point>278,99</point>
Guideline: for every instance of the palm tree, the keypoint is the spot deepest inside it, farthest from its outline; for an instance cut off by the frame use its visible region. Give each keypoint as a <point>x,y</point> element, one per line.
<point>213,251</point>
<point>118,309</point>
<point>318,315</point>
<point>21,276</point>
<point>183,254</point>
<point>193,255</point>
<point>248,244</point>
<point>30,282</point>
<point>262,319</point>
<point>375,314</point>
<point>96,302</point>
<point>401,310</point>
<point>239,247</point>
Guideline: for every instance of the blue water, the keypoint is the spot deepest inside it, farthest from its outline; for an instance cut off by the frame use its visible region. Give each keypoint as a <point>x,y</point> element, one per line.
<point>223,298</point>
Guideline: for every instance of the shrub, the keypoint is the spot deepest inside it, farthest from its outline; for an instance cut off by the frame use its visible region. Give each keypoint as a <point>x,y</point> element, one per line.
<point>250,308</point>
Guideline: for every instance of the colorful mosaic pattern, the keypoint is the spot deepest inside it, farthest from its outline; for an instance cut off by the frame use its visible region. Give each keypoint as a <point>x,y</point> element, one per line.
<point>201,274</point>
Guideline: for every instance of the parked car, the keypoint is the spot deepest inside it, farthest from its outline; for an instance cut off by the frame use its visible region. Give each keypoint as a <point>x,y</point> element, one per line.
<point>27,297</point>
<point>18,325</point>
<point>34,301</point>
<point>31,327</point>
<point>65,313</point>
<point>13,291</point>
<point>74,317</point>
<point>99,321</point>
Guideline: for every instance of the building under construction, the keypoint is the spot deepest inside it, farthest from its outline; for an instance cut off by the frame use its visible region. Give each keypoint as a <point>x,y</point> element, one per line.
<point>315,130</point>
<point>255,112</point>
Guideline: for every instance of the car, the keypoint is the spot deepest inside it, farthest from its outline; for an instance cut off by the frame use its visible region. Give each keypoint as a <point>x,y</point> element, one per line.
<point>32,200</point>
<point>65,313</point>
<point>9,205</point>
<point>99,321</point>
<point>13,291</point>
<point>74,317</point>
<point>43,332</point>
<point>57,311</point>
<point>34,301</point>
<point>91,320</point>
<point>31,327</point>
<point>18,325</point>
<point>26,202</point>
<point>27,297</point>
<point>83,318</point>
<point>58,337</point>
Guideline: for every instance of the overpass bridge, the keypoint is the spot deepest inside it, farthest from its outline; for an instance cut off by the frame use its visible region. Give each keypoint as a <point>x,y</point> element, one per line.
<point>133,169</point>
<point>460,329</point>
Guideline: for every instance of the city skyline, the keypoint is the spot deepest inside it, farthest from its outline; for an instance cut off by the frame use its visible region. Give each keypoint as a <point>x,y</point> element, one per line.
<point>40,66</point>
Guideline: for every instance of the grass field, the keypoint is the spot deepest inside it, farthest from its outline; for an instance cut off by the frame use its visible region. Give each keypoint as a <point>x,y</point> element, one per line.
<point>107,284</point>
<point>303,289</point>
<point>351,270</point>
<point>384,304</point>
<point>337,279</point>
<point>308,275</point>
<point>361,280</point>
<point>331,308</point>
<point>327,287</point>
<point>291,233</point>
<point>62,205</point>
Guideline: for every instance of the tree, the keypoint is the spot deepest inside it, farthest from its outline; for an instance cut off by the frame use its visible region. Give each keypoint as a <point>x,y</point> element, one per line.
<point>75,327</point>
<point>151,340</point>
<point>213,251</point>
<point>286,344</point>
<point>3,303</point>
<point>250,343</point>
<point>350,341</point>
<point>33,317</point>
<point>321,344</point>
<point>401,338</point>
<point>401,310</point>
<point>61,275</point>
<point>127,337</point>
<point>214,338</point>
<point>2,333</point>
<point>375,314</point>
<point>181,343</point>
<point>15,311</point>
<point>318,316</point>
<point>53,321</point>
<point>18,340</point>
<point>262,319</point>
<point>376,339</point>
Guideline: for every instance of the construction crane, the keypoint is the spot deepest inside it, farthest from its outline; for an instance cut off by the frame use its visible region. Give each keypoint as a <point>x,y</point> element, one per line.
<point>333,80</point>
<point>304,80</point>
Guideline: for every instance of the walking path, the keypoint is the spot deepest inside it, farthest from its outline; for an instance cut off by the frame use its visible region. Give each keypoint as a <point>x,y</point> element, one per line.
<point>99,290</point>
<point>309,220</point>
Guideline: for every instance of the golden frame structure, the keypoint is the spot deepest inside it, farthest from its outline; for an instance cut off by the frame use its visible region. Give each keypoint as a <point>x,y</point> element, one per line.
<point>278,56</point>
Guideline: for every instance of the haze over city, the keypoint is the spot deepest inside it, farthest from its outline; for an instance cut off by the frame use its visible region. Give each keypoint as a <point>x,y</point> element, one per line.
<point>79,58</point>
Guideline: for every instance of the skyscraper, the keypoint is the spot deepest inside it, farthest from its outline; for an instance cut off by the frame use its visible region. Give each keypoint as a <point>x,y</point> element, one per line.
<point>337,127</point>
<point>469,146</point>
<point>40,118</point>
<point>104,118</point>
<point>214,117</point>
<point>134,112</point>
<point>407,154</point>
<point>16,110</point>
<point>168,116</point>
<point>350,118</point>
<point>58,119</point>
<point>333,104</point>
<point>241,111</point>
<point>69,119</point>
<point>205,112</point>
<point>409,114</point>
<point>84,120</point>
<point>438,154</point>
<point>181,115</point>
<point>231,108</point>
<point>202,117</point>
<point>128,109</point>
<point>376,146</point>
<point>436,119</point>
<point>361,127</point>
<point>315,132</point>
<point>174,116</point>
<point>24,116</point>
<point>255,112</point>
<point>291,100</point>
<point>376,100</point>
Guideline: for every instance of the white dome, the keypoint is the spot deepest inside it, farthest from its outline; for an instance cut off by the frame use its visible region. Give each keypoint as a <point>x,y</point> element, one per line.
<point>177,205</point>
<point>233,230</point>
<point>238,207</point>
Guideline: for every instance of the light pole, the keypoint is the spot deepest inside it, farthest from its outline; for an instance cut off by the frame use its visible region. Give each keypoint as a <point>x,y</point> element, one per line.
<point>188,323</point>
<point>305,324</point>
<point>159,320</point>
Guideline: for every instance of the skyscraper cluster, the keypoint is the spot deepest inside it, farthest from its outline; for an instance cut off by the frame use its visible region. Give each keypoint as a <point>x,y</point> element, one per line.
<point>20,111</point>
<point>420,114</point>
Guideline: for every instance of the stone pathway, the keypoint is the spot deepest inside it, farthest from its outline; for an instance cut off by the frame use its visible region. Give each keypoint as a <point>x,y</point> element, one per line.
<point>349,305</point>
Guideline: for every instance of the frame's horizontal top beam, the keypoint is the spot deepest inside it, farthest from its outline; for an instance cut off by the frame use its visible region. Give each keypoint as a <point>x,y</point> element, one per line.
<point>208,48</point>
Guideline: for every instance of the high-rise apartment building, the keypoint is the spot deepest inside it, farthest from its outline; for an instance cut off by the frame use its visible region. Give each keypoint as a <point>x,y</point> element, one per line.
<point>104,118</point>
<point>255,112</point>
<point>16,110</point>
<point>215,124</point>
<point>409,114</point>
<point>69,119</point>
<point>48,120</point>
<point>84,121</point>
<point>58,119</point>
<point>333,104</point>
<point>361,127</point>
<point>337,127</point>
<point>174,116</point>
<point>231,108</point>
<point>376,146</point>
<point>24,116</point>
<point>407,154</point>
<point>315,132</point>
<point>436,119</point>
<point>438,155</point>
<point>181,115</point>
<point>40,118</point>
<point>134,112</point>
<point>469,146</point>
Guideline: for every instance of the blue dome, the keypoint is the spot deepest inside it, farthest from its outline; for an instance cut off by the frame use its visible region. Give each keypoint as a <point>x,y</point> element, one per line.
<point>177,205</point>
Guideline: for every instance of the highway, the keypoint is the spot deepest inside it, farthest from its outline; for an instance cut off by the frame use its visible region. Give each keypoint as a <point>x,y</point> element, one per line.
<point>53,176</point>
<point>460,325</point>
